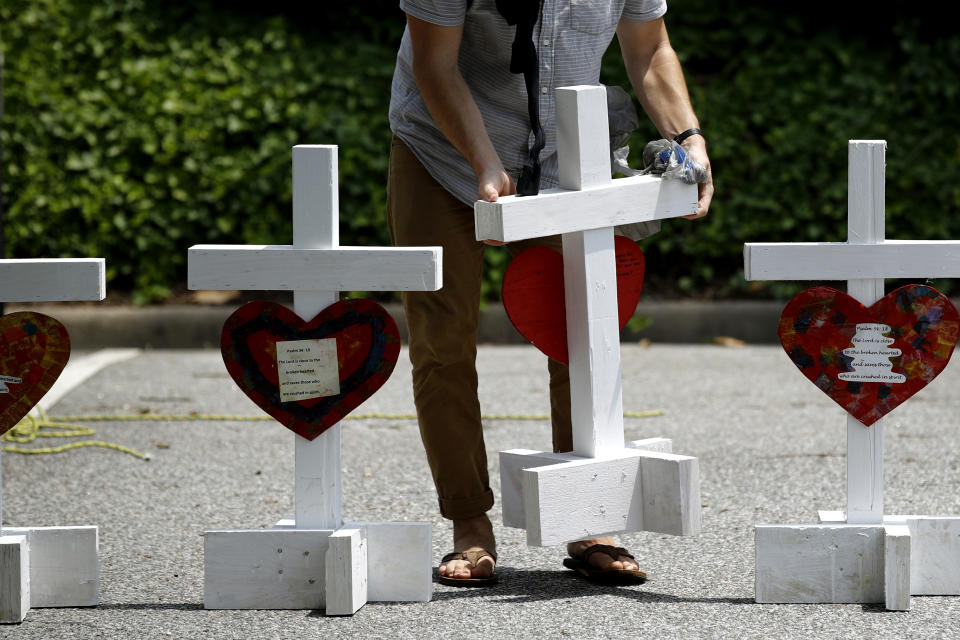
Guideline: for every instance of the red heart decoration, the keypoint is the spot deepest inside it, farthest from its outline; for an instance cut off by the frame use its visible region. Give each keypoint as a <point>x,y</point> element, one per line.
<point>534,301</point>
<point>352,344</point>
<point>34,349</point>
<point>864,368</point>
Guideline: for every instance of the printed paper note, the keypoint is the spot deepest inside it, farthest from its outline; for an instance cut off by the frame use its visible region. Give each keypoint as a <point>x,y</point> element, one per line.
<point>307,369</point>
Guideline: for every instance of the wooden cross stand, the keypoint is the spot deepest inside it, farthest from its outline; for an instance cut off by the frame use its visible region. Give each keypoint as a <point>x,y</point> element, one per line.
<point>603,486</point>
<point>49,566</point>
<point>860,555</point>
<point>313,559</point>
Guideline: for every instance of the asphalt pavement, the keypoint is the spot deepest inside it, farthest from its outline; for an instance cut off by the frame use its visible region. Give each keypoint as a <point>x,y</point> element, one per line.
<point>771,449</point>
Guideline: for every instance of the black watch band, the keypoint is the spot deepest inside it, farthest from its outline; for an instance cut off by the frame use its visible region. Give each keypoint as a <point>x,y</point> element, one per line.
<point>686,134</point>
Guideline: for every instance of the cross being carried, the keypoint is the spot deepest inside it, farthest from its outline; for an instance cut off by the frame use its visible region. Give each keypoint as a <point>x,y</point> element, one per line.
<point>42,566</point>
<point>602,487</point>
<point>862,555</point>
<point>313,559</point>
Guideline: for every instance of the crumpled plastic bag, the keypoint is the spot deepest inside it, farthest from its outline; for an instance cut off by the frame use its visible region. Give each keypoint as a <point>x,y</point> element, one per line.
<point>671,161</point>
<point>662,157</point>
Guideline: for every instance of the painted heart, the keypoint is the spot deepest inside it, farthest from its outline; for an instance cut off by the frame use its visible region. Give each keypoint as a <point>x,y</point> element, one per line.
<point>870,359</point>
<point>34,349</point>
<point>310,375</point>
<point>533,294</point>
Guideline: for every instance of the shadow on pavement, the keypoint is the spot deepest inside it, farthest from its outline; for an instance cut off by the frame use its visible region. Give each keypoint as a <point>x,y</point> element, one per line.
<point>538,585</point>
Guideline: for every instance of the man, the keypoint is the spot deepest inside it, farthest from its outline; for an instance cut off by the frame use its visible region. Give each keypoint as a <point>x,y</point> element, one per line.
<point>462,133</point>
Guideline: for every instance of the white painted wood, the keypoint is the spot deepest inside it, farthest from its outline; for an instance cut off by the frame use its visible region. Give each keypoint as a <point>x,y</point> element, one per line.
<point>584,211</point>
<point>265,569</point>
<point>14,578</point>
<point>934,550</point>
<point>935,554</point>
<point>316,269</point>
<point>583,136</point>
<point>316,213</point>
<point>316,197</point>
<point>399,561</point>
<point>593,338</point>
<point>819,563</point>
<point>346,572</point>
<point>78,371</point>
<point>865,226</point>
<point>291,268</point>
<point>896,572</point>
<point>864,472</point>
<point>64,565</point>
<point>925,548</point>
<point>512,464</point>
<point>663,445</point>
<point>831,517</point>
<point>557,211</point>
<point>65,570</point>
<point>317,491</point>
<point>843,261</point>
<point>52,280</point>
<point>670,486</point>
<point>634,490</point>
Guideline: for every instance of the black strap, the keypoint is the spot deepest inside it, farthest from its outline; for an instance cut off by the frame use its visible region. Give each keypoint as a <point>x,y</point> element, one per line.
<point>523,59</point>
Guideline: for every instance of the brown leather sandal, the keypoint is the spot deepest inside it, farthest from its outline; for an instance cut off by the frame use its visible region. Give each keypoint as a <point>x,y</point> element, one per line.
<point>582,566</point>
<point>472,557</point>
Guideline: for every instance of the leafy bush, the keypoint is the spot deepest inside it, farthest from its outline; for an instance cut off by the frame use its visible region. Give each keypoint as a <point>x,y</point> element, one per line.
<point>779,92</point>
<point>133,129</point>
<point>145,132</point>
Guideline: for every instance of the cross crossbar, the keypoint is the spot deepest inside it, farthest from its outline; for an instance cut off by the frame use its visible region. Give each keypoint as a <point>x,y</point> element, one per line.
<point>53,280</point>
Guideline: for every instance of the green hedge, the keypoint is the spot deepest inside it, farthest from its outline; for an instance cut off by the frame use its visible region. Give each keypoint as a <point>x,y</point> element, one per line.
<point>133,130</point>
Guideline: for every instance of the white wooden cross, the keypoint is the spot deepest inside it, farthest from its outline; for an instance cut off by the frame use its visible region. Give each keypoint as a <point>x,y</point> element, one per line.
<point>313,559</point>
<point>48,566</point>
<point>603,486</point>
<point>862,555</point>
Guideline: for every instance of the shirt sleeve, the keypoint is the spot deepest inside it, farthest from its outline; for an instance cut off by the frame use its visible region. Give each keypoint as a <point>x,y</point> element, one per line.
<point>644,10</point>
<point>446,13</point>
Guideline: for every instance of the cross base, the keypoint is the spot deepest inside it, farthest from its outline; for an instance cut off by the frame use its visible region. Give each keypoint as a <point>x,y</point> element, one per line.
<point>561,497</point>
<point>47,567</point>
<point>836,562</point>
<point>289,568</point>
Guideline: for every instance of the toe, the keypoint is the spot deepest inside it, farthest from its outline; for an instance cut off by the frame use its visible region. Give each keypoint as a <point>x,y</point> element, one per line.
<point>484,569</point>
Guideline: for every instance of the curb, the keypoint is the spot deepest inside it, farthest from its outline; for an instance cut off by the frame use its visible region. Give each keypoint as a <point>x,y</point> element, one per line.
<point>198,326</point>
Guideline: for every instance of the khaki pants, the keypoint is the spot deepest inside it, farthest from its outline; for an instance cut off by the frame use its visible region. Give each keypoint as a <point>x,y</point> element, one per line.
<point>443,337</point>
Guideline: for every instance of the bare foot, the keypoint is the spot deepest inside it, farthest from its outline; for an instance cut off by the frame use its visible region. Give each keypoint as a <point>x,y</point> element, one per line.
<point>471,534</point>
<point>601,560</point>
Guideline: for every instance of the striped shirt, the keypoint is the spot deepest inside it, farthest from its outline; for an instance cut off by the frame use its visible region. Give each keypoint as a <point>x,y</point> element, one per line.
<point>571,36</point>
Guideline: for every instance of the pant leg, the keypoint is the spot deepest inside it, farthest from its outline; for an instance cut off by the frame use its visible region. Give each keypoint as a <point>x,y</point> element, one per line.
<point>443,334</point>
<point>559,373</point>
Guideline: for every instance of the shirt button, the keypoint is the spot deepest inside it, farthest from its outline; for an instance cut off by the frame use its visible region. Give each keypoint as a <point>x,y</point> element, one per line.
<point>543,89</point>
<point>546,42</point>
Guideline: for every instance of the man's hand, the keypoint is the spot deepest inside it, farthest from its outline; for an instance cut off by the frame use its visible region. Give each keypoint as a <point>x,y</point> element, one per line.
<point>491,184</point>
<point>697,148</point>
<point>495,183</point>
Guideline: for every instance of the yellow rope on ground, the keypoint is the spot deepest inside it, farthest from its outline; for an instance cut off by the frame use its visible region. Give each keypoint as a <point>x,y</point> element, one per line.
<point>207,417</point>
<point>29,429</point>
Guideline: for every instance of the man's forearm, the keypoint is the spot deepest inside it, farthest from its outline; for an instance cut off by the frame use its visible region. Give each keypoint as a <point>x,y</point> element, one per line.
<point>657,78</point>
<point>455,113</point>
<point>436,51</point>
